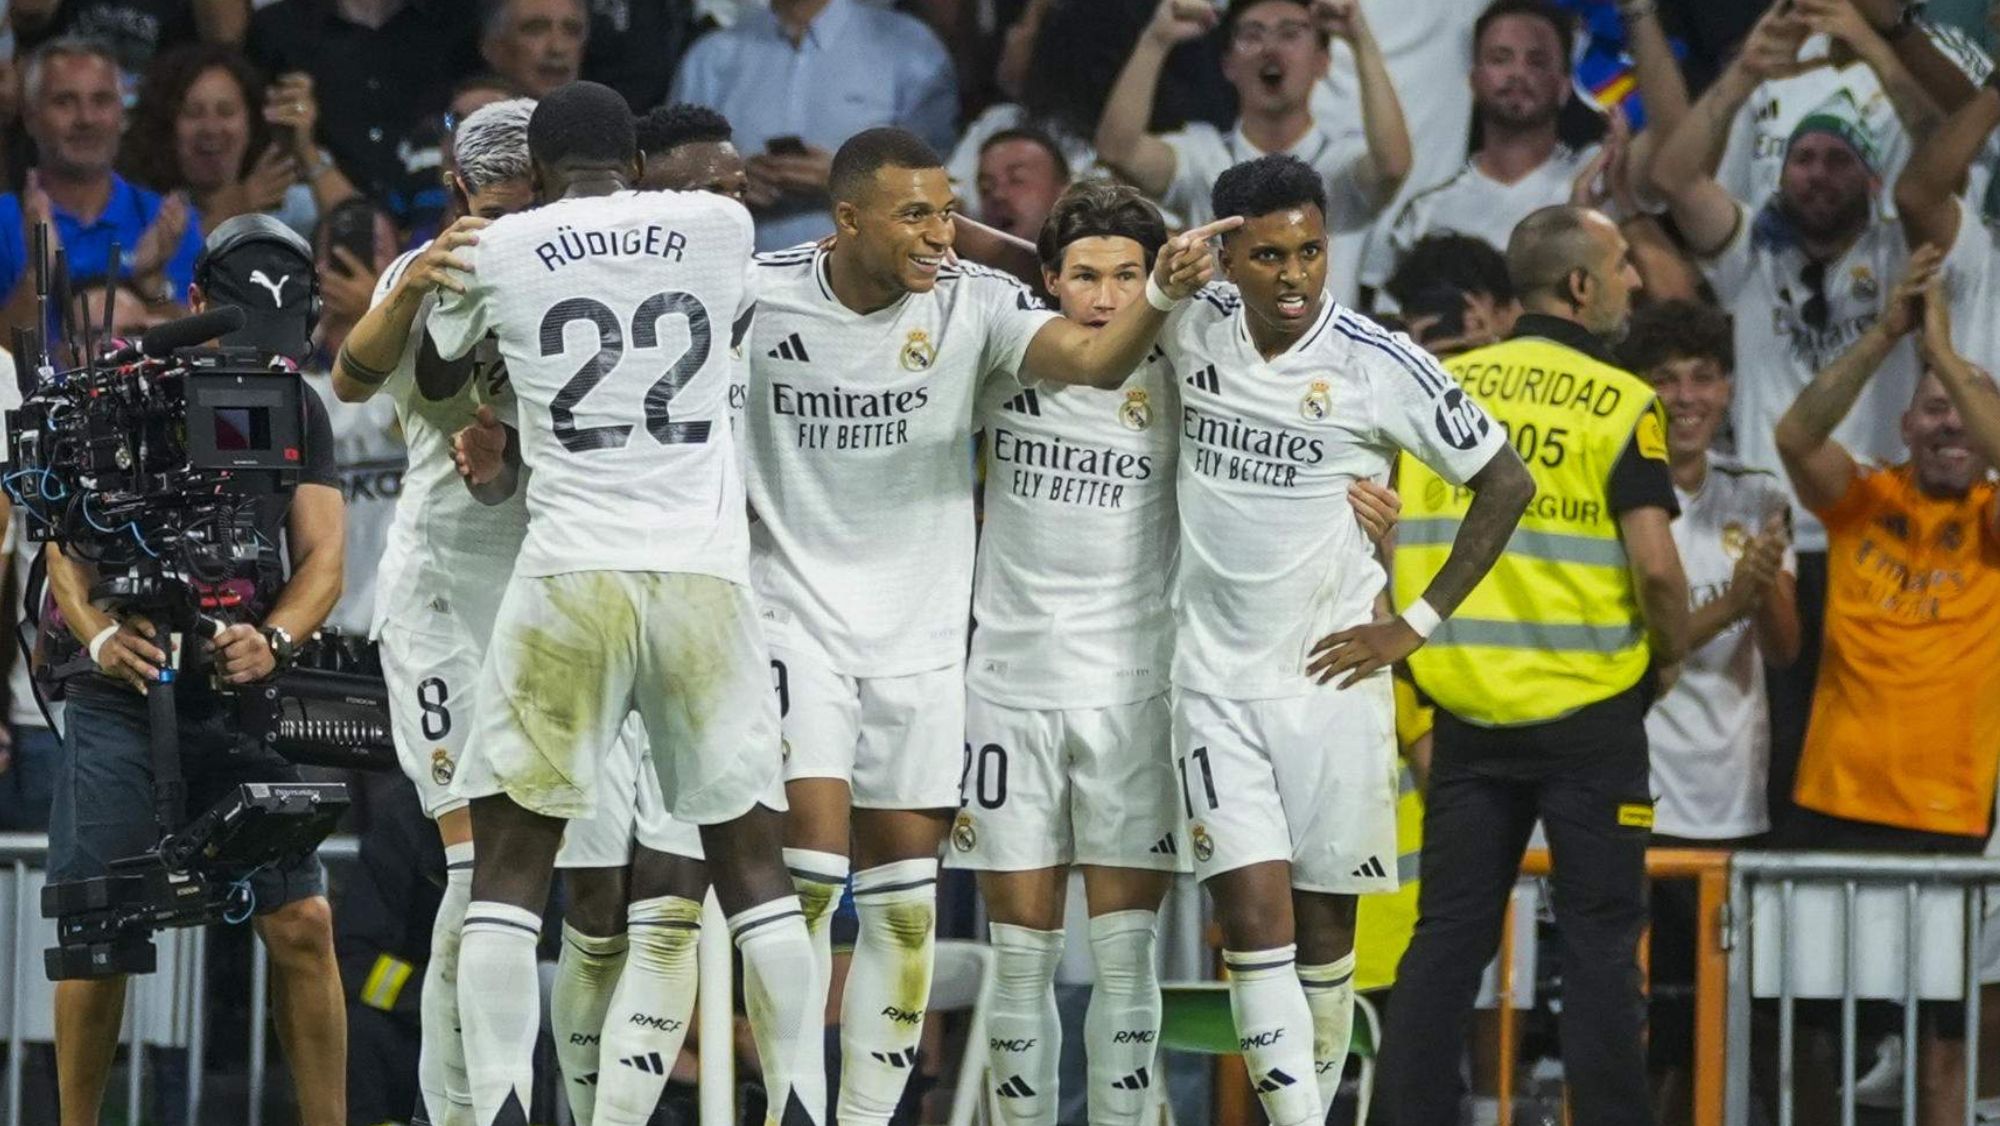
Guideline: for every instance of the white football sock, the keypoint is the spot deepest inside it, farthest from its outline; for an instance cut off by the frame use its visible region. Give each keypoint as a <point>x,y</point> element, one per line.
<point>649,1014</point>
<point>1330,994</point>
<point>499,1009</point>
<point>1023,1029</point>
<point>819,878</point>
<point>1122,1026</point>
<point>888,988</point>
<point>787,1008</point>
<point>1274,1029</point>
<point>587,972</point>
<point>440,1056</point>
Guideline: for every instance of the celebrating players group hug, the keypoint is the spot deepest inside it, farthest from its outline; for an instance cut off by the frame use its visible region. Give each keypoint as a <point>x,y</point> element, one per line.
<point>665,647</point>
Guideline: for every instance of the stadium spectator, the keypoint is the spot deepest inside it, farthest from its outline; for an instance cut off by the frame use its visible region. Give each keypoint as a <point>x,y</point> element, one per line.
<point>798,80</point>
<point>1520,86</point>
<point>75,115</point>
<point>380,66</point>
<point>636,46</point>
<point>535,44</point>
<point>1021,173</point>
<point>1900,753</point>
<point>1454,293</point>
<point>205,124</point>
<point>1945,61</point>
<point>1931,210</point>
<point>136,31</point>
<point>1804,275</point>
<point>1709,735</point>
<point>1276,53</point>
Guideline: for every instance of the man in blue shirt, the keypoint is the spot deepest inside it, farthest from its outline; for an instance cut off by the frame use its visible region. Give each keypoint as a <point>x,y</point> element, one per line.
<point>802,78</point>
<point>73,110</point>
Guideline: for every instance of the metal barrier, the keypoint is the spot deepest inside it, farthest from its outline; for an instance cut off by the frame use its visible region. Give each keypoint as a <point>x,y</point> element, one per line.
<point>1710,871</point>
<point>1798,923</point>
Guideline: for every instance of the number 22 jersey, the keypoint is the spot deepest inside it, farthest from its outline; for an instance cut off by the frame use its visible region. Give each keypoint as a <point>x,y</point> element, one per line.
<point>613,315</point>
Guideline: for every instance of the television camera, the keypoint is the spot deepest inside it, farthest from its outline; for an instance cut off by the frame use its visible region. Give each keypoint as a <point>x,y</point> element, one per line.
<point>149,460</point>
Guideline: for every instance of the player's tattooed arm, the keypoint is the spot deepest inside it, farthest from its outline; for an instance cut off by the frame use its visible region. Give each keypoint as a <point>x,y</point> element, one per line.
<point>374,346</point>
<point>488,455</point>
<point>1064,351</point>
<point>1501,491</point>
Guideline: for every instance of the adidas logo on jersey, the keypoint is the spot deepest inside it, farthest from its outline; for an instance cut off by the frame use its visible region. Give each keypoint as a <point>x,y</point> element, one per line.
<point>650,1063</point>
<point>1137,1081</point>
<point>1372,870</point>
<point>1274,1080</point>
<point>790,348</point>
<point>1166,846</point>
<point>1206,380</point>
<point>587,1080</point>
<point>1015,1088</point>
<point>904,1058</point>
<point>1027,402</point>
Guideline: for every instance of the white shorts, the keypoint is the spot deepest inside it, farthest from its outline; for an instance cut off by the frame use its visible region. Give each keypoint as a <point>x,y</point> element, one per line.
<point>1043,787</point>
<point>897,741</point>
<point>629,807</point>
<point>431,675</point>
<point>1309,779</point>
<point>573,654</point>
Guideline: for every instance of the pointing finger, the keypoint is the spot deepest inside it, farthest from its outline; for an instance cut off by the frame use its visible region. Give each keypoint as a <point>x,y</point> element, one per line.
<point>1209,230</point>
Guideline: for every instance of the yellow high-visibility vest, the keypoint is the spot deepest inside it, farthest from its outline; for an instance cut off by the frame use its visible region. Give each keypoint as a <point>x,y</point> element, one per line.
<point>1555,625</point>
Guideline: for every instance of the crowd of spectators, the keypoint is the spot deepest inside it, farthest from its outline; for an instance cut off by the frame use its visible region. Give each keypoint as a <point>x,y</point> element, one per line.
<point>1805,190</point>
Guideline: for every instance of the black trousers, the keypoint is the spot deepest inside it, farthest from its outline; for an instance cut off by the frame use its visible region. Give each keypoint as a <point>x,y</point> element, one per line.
<point>1586,778</point>
<point>1789,693</point>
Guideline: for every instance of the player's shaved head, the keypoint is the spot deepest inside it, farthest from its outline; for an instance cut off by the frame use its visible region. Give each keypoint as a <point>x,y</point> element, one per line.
<point>871,150</point>
<point>582,125</point>
<point>1100,208</point>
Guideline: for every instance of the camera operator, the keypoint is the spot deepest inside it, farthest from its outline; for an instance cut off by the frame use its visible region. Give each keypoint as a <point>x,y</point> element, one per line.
<point>103,808</point>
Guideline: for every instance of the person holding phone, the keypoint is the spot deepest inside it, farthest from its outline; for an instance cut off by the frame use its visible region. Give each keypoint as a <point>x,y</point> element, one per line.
<point>798,80</point>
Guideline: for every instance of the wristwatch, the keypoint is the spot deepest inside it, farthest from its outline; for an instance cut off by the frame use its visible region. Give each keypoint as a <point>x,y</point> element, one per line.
<point>283,649</point>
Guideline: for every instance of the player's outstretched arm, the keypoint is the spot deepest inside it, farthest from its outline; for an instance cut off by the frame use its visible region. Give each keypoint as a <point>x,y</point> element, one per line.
<point>488,455</point>
<point>1067,352</point>
<point>991,247</point>
<point>375,345</point>
<point>1501,491</point>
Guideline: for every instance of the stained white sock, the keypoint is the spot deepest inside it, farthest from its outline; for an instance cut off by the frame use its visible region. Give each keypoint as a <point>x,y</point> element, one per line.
<point>1023,1029</point>
<point>787,1008</point>
<point>1274,1029</point>
<point>587,972</point>
<point>819,878</point>
<point>888,988</point>
<point>649,1014</point>
<point>440,1056</point>
<point>499,1009</point>
<point>1122,1026</point>
<point>1330,994</point>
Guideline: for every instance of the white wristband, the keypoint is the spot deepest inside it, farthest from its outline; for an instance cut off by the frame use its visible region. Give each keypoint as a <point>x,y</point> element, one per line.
<point>97,643</point>
<point>1422,618</point>
<point>1157,297</point>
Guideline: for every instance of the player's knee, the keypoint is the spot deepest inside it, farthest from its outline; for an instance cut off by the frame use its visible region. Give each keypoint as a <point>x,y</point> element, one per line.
<point>596,901</point>
<point>299,935</point>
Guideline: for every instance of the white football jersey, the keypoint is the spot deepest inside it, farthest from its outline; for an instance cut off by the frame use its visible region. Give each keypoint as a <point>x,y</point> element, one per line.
<point>1761,278</point>
<point>1076,551</point>
<point>1473,203</point>
<point>859,430</point>
<point>1202,153</point>
<point>1711,733</point>
<point>444,549</point>
<point>368,449</point>
<point>1972,281</point>
<point>1272,558</point>
<point>614,314</point>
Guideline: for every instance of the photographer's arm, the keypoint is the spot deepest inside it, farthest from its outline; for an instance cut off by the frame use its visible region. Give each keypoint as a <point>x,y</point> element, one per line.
<point>316,530</point>
<point>125,652</point>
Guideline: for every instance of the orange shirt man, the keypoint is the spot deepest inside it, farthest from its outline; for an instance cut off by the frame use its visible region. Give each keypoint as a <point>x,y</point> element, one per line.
<point>1905,728</point>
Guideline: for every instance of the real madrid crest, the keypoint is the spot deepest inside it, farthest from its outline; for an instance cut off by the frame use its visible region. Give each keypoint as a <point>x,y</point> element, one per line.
<point>1734,539</point>
<point>1866,288</point>
<point>1204,845</point>
<point>441,767</point>
<point>918,352</point>
<point>963,835</point>
<point>1316,404</point>
<point>1135,412</point>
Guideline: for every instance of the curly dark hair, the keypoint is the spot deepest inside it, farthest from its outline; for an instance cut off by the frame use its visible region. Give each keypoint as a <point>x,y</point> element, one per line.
<point>147,156</point>
<point>1269,183</point>
<point>1678,330</point>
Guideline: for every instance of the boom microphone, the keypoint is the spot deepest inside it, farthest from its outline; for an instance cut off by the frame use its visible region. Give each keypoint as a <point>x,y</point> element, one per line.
<point>165,339</point>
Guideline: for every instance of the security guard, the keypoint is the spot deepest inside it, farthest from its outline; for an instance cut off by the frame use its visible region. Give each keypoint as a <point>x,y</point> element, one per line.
<point>1542,679</point>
